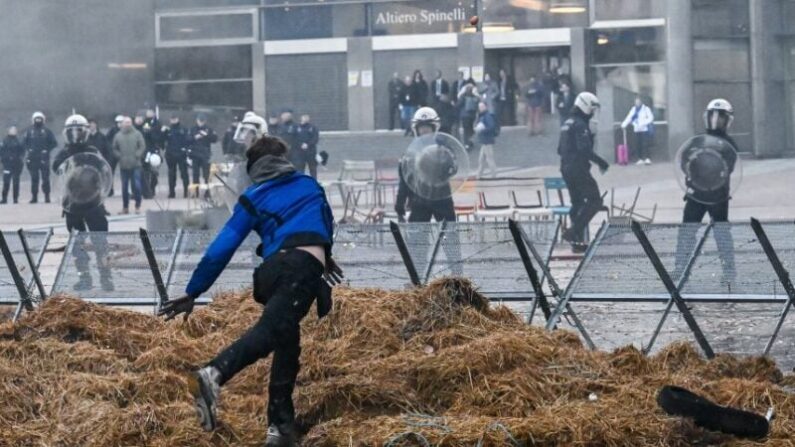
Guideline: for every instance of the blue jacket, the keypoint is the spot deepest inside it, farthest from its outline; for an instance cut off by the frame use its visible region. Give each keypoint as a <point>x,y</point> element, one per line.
<point>489,134</point>
<point>291,211</point>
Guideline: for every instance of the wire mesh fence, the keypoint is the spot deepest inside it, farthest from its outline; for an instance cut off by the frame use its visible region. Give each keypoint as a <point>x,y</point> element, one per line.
<point>369,256</point>
<point>112,268</point>
<point>192,245</point>
<point>37,242</point>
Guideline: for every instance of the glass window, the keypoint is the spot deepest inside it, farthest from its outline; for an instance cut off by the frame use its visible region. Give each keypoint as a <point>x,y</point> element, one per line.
<point>314,22</point>
<point>199,63</point>
<point>627,45</point>
<point>618,86</point>
<point>181,4</point>
<point>205,94</point>
<point>202,27</point>
<point>628,9</point>
<point>725,60</point>
<point>417,17</point>
<point>501,15</point>
<point>720,18</point>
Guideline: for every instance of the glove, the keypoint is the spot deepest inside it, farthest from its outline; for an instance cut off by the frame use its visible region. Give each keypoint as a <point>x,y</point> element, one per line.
<point>178,306</point>
<point>333,274</point>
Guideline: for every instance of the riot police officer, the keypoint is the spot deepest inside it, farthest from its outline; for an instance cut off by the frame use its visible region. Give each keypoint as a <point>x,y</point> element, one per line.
<point>38,142</point>
<point>576,155</point>
<point>230,148</point>
<point>86,176</point>
<point>177,143</point>
<point>200,152</point>
<point>305,155</point>
<point>12,155</point>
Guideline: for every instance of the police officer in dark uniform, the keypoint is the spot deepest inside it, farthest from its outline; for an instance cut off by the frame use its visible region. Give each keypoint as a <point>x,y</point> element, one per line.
<point>425,121</point>
<point>152,132</point>
<point>707,163</point>
<point>109,136</point>
<point>200,151</point>
<point>305,154</point>
<point>288,132</point>
<point>12,156</point>
<point>230,148</point>
<point>177,143</point>
<point>576,155</point>
<point>82,200</point>
<point>38,142</point>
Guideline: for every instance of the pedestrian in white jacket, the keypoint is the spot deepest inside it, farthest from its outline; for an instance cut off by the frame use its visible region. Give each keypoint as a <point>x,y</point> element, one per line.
<point>641,118</point>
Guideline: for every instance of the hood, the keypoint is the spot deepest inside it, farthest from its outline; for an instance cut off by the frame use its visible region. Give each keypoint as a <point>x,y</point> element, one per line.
<point>269,167</point>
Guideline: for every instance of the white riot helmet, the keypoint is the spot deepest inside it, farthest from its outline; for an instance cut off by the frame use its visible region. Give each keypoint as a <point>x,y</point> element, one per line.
<point>118,119</point>
<point>251,128</point>
<point>587,102</point>
<point>719,115</point>
<point>38,116</point>
<point>425,116</point>
<point>76,129</point>
<point>153,159</point>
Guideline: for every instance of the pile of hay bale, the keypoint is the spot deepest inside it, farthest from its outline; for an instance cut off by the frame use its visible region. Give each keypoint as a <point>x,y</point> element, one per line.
<point>432,366</point>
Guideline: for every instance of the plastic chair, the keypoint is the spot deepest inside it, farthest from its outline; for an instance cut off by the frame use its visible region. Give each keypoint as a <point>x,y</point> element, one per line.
<point>485,211</point>
<point>536,211</point>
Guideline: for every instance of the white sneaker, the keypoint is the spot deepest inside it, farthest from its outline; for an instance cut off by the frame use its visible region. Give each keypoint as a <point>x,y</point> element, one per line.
<point>640,162</point>
<point>203,384</point>
<point>647,161</point>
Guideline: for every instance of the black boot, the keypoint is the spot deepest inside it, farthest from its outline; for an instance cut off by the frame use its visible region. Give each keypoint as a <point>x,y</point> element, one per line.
<point>110,194</point>
<point>47,198</point>
<point>172,194</point>
<point>84,282</point>
<point>105,281</point>
<point>35,199</point>
<point>4,201</point>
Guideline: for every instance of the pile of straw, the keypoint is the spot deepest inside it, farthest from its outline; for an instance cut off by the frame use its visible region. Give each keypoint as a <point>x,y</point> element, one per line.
<point>433,366</point>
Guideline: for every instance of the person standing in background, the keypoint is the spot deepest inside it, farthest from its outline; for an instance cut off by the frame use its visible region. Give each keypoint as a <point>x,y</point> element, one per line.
<point>420,87</point>
<point>535,95</point>
<point>97,140</point>
<point>12,156</point>
<point>408,105</point>
<point>288,132</point>
<point>506,99</point>
<point>39,141</point>
<point>273,125</point>
<point>395,86</point>
<point>112,161</point>
<point>229,146</point>
<point>468,111</point>
<point>487,130</point>
<point>439,87</point>
<point>641,118</point>
<point>565,101</point>
<point>489,91</point>
<point>447,115</point>
<point>307,137</point>
<point>456,88</point>
<point>177,143</point>
<point>129,148</point>
<point>152,132</point>
<point>200,152</point>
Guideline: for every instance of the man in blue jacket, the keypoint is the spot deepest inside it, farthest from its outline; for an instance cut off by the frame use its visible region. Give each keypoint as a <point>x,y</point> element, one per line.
<point>487,131</point>
<point>290,213</point>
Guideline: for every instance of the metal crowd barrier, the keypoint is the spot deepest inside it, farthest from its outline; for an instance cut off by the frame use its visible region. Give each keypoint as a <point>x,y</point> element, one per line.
<point>22,252</point>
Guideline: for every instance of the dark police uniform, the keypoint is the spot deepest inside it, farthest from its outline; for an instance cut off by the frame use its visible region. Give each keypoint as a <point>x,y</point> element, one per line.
<point>177,143</point>
<point>12,156</point>
<point>302,158</point>
<point>200,151</point>
<point>576,155</point>
<point>39,141</point>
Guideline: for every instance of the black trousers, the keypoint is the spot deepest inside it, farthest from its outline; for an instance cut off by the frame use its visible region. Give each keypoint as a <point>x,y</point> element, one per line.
<point>585,200</point>
<point>468,122</point>
<point>201,168</point>
<point>686,238</point>
<point>302,160</point>
<point>294,274</point>
<point>91,223</point>
<point>174,164</point>
<point>420,240</point>
<point>642,143</point>
<point>394,114</point>
<point>11,176</point>
<point>39,172</point>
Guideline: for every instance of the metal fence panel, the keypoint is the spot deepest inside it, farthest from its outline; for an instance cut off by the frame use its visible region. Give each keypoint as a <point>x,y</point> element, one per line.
<point>486,253</point>
<point>237,274</point>
<point>369,257</point>
<point>619,268</point>
<point>37,243</point>
<point>123,255</point>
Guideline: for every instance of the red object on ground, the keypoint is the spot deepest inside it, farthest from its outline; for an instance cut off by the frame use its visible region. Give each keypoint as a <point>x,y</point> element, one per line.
<point>474,20</point>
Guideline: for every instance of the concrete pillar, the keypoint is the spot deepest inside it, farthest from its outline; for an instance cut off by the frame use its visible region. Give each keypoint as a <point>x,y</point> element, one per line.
<point>679,73</point>
<point>768,86</point>
<point>258,78</point>
<point>579,59</point>
<point>361,104</point>
<point>470,50</point>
